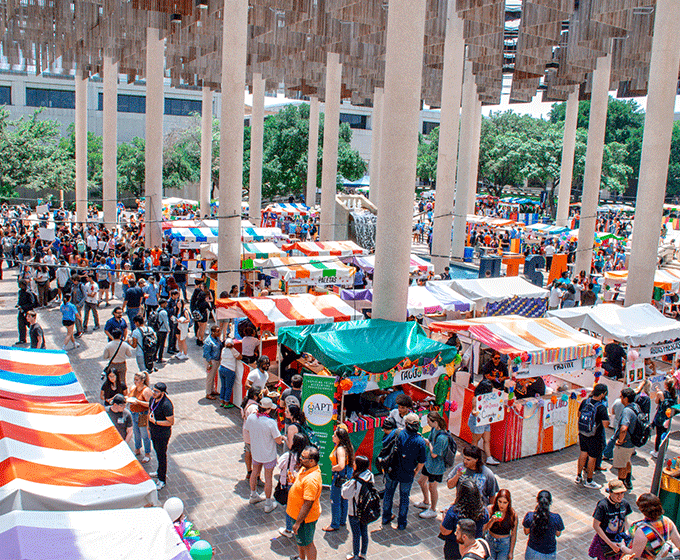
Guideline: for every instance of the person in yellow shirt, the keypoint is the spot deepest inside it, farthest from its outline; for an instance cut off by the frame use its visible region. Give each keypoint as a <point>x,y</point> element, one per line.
<point>304,504</point>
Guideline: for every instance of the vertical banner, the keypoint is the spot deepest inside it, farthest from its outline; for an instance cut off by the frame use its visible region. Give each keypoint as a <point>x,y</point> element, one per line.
<point>317,404</point>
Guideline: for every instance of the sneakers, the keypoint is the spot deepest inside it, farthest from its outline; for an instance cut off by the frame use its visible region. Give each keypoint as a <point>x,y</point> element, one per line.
<point>628,484</point>
<point>592,484</point>
<point>255,498</point>
<point>286,533</point>
<point>428,514</point>
<point>579,479</point>
<point>160,485</point>
<point>422,505</point>
<point>270,505</point>
<point>654,454</point>
<point>491,461</point>
<point>153,474</point>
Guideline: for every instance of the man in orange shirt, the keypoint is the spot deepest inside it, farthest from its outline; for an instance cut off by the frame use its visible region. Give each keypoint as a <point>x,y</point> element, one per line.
<point>156,256</point>
<point>304,504</point>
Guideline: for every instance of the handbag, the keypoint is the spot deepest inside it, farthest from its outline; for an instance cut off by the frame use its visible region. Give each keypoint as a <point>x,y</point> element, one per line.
<point>281,493</point>
<point>143,420</point>
<point>106,370</point>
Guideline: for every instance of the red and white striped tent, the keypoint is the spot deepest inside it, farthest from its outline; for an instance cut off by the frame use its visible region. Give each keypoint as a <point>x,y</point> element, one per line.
<point>66,457</point>
<point>272,313</point>
<point>38,375</point>
<point>327,248</point>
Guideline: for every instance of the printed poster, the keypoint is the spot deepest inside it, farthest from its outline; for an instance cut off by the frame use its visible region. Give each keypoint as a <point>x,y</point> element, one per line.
<point>317,404</point>
<point>490,408</point>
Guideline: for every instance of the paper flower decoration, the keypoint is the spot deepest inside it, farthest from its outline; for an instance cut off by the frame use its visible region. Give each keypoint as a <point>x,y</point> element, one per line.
<point>564,397</point>
<point>346,385</point>
<point>517,360</point>
<point>553,399</point>
<point>573,396</point>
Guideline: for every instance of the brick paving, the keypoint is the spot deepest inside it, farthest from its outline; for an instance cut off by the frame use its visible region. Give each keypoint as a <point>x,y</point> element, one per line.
<point>206,468</point>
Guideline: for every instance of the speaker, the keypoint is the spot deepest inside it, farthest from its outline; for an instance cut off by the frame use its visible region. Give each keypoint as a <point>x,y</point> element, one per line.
<point>489,267</point>
<point>530,265</point>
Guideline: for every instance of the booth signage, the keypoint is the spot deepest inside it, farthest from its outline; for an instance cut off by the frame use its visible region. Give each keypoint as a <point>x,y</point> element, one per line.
<point>490,408</point>
<point>416,373</point>
<point>555,413</point>
<point>570,366</point>
<point>659,349</point>
<point>318,392</point>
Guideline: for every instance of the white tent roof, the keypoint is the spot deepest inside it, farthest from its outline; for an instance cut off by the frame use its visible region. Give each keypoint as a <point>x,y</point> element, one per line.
<point>485,290</point>
<point>637,325</point>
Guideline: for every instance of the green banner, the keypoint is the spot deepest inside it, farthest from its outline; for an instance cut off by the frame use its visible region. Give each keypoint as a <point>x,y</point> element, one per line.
<point>317,404</point>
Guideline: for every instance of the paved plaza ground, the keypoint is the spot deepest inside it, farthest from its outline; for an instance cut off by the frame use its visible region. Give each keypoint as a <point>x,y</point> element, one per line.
<point>206,468</point>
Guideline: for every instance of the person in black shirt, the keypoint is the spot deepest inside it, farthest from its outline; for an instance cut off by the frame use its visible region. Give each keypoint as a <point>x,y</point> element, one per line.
<point>495,371</point>
<point>27,301</point>
<point>133,300</point>
<point>591,444</point>
<point>172,317</point>
<point>35,332</point>
<point>614,358</point>
<point>179,272</point>
<point>609,522</point>
<point>161,420</point>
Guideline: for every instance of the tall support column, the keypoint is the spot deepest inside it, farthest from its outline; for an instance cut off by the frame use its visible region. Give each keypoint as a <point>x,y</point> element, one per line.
<point>452,84</point>
<point>256,138</point>
<point>474,158</point>
<point>331,131</point>
<point>567,165</point>
<point>599,99</point>
<point>376,125</point>
<point>234,35</point>
<point>312,152</point>
<point>656,143</point>
<point>81,147</point>
<point>398,154</point>
<point>460,209</point>
<point>153,153</point>
<point>110,142</point>
<point>206,152</point>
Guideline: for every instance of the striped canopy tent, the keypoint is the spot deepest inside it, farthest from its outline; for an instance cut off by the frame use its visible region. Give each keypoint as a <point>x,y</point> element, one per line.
<point>249,252</point>
<point>544,340</point>
<point>417,265</point>
<point>272,313</point>
<point>63,457</point>
<point>38,375</point>
<point>90,535</point>
<point>307,270</point>
<point>667,279</point>
<point>195,237</point>
<point>326,248</point>
<point>289,210</point>
<point>547,229</point>
<point>600,236</point>
<point>179,223</point>
<point>449,299</point>
<point>488,221</point>
<point>422,300</point>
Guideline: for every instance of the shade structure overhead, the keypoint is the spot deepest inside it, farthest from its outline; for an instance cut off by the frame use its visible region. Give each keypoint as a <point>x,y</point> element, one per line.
<point>489,290</point>
<point>309,269</point>
<point>417,264</point>
<point>327,248</point>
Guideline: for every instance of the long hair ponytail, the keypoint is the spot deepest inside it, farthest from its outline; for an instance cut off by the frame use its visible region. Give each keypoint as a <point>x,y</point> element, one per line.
<point>542,513</point>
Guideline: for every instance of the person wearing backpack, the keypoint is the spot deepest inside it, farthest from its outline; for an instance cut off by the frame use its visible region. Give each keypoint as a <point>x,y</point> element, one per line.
<point>144,341</point>
<point>353,491</point>
<point>433,472</point>
<point>27,302</point>
<point>664,399</point>
<point>656,535</point>
<point>593,419</point>
<point>470,547</point>
<point>623,447</point>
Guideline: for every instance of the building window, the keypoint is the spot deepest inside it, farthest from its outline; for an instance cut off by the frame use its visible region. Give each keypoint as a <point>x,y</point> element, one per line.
<point>126,103</point>
<point>5,95</point>
<point>429,126</point>
<point>53,98</point>
<point>354,121</point>
<point>182,107</point>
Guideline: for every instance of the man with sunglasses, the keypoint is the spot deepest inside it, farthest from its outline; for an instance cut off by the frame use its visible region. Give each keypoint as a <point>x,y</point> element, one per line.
<point>304,503</point>
<point>161,420</point>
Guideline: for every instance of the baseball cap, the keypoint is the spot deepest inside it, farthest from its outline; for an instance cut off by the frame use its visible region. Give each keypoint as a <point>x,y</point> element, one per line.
<point>411,418</point>
<point>389,424</point>
<point>118,399</point>
<point>267,403</point>
<point>616,486</point>
<point>162,387</point>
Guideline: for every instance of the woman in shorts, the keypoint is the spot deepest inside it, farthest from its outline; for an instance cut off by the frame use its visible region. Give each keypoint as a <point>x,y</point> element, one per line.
<point>433,472</point>
<point>68,319</point>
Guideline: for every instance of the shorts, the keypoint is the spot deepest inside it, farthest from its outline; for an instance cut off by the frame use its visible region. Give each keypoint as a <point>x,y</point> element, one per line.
<point>305,534</point>
<point>268,466</point>
<point>67,323</point>
<point>477,430</point>
<point>591,445</point>
<point>103,284</point>
<point>622,456</point>
<point>432,477</point>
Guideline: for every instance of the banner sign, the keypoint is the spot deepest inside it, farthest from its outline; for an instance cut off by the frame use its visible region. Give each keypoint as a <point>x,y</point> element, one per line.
<point>658,349</point>
<point>555,413</point>
<point>318,392</point>
<point>575,366</point>
<point>490,408</point>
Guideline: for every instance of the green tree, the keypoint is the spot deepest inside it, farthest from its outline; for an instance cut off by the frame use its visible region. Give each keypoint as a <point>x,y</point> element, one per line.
<point>428,148</point>
<point>95,146</point>
<point>131,166</point>
<point>182,159</point>
<point>673,181</point>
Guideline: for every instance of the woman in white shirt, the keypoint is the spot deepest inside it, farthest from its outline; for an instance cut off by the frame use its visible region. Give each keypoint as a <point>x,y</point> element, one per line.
<point>227,372</point>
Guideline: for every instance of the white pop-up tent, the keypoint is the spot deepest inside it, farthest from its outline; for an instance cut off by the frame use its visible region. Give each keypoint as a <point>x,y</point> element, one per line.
<point>510,295</point>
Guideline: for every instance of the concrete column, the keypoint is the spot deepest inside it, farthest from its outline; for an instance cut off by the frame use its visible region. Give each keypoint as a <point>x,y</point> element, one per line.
<point>447,158</point>
<point>331,131</point>
<point>656,143</point>
<point>234,28</point>
<point>474,158</point>
<point>376,124</point>
<point>256,138</point>
<point>81,147</point>
<point>599,99</point>
<point>312,152</point>
<point>469,105</point>
<point>567,166</point>
<point>110,141</point>
<point>206,152</point>
<point>398,155</point>
<point>153,153</point>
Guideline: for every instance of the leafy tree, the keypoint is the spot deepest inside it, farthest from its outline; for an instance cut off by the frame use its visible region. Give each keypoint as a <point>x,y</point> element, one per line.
<point>428,148</point>
<point>673,181</point>
<point>182,159</point>
<point>95,156</point>
<point>131,166</point>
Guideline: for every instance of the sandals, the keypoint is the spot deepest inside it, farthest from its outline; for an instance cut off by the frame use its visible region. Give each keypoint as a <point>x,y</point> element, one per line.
<point>211,397</point>
<point>145,459</point>
<point>330,529</point>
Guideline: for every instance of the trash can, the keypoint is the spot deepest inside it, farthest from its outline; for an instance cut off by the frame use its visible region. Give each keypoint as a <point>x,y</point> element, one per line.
<point>467,254</point>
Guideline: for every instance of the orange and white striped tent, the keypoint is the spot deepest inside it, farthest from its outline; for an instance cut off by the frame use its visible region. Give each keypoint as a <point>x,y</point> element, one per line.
<point>66,457</point>
<point>327,248</point>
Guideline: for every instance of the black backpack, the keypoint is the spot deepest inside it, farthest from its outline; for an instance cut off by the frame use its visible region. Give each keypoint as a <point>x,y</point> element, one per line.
<point>587,420</point>
<point>639,434</point>
<point>152,319</point>
<point>368,507</point>
<point>388,458</point>
<point>449,455</point>
<point>149,341</point>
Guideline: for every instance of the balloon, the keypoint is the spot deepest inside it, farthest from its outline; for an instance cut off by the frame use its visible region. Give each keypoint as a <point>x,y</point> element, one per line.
<point>517,360</point>
<point>175,508</point>
<point>633,355</point>
<point>573,396</point>
<point>553,399</point>
<point>201,550</point>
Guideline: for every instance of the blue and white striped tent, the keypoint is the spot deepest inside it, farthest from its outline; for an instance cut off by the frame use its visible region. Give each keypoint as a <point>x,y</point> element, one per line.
<point>193,238</point>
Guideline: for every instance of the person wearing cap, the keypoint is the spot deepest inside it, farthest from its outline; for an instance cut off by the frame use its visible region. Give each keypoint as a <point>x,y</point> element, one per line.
<point>592,443</point>
<point>609,522</point>
<point>161,420</point>
<point>264,436</point>
<point>121,417</point>
<point>412,452</point>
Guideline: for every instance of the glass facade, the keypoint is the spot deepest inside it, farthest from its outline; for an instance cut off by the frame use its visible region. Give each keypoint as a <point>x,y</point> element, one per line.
<point>53,98</point>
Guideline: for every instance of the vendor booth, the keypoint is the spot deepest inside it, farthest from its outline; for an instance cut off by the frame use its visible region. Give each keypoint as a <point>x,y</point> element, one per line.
<point>297,274</point>
<point>366,363</point>
<point>549,366</point>
<point>614,284</point>
<point>286,210</point>
<point>325,248</point>
<point>249,252</point>
<point>119,534</point>
<point>417,265</point>
<point>509,295</point>
<point>67,457</point>
<point>193,238</point>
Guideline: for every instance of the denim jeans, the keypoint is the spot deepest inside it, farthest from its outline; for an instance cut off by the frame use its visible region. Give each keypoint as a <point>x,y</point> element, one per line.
<point>404,493</point>
<point>140,434</point>
<point>359,536</point>
<point>608,452</point>
<point>227,377</point>
<point>289,522</point>
<point>183,287</point>
<point>531,554</point>
<point>132,312</point>
<point>338,504</point>
<point>499,547</point>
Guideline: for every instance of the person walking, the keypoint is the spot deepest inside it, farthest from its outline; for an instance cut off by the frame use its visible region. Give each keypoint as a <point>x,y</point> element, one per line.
<point>433,472</point>
<point>289,465</point>
<point>35,331</point>
<point>117,351</point>
<point>78,299</point>
<point>593,419</point>
<point>264,437</point>
<point>342,460</point>
<point>412,454</point>
<point>651,534</point>
<point>27,301</point>
<point>227,372</point>
<point>351,491</point>
<point>501,529</point>
<point>304,503</point>
<point>163,329</point>
<point>68,319</point>
<point>132,301</point>
<point>543,528</point>
<point>91,303</point>
<point>183,322</point>
<point>609,523</point>
<point>138,398</point>
<point>664,400</point>
<point>173,304</point>
<point>468,505</point>
<point>121,417</point>
<point>161,420</point>
<point>469,547</point>
<point>144,341</point>
<point>249,406</point>
<point>473,468</point>
<point>212,352</point>
<point>116,322</point>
